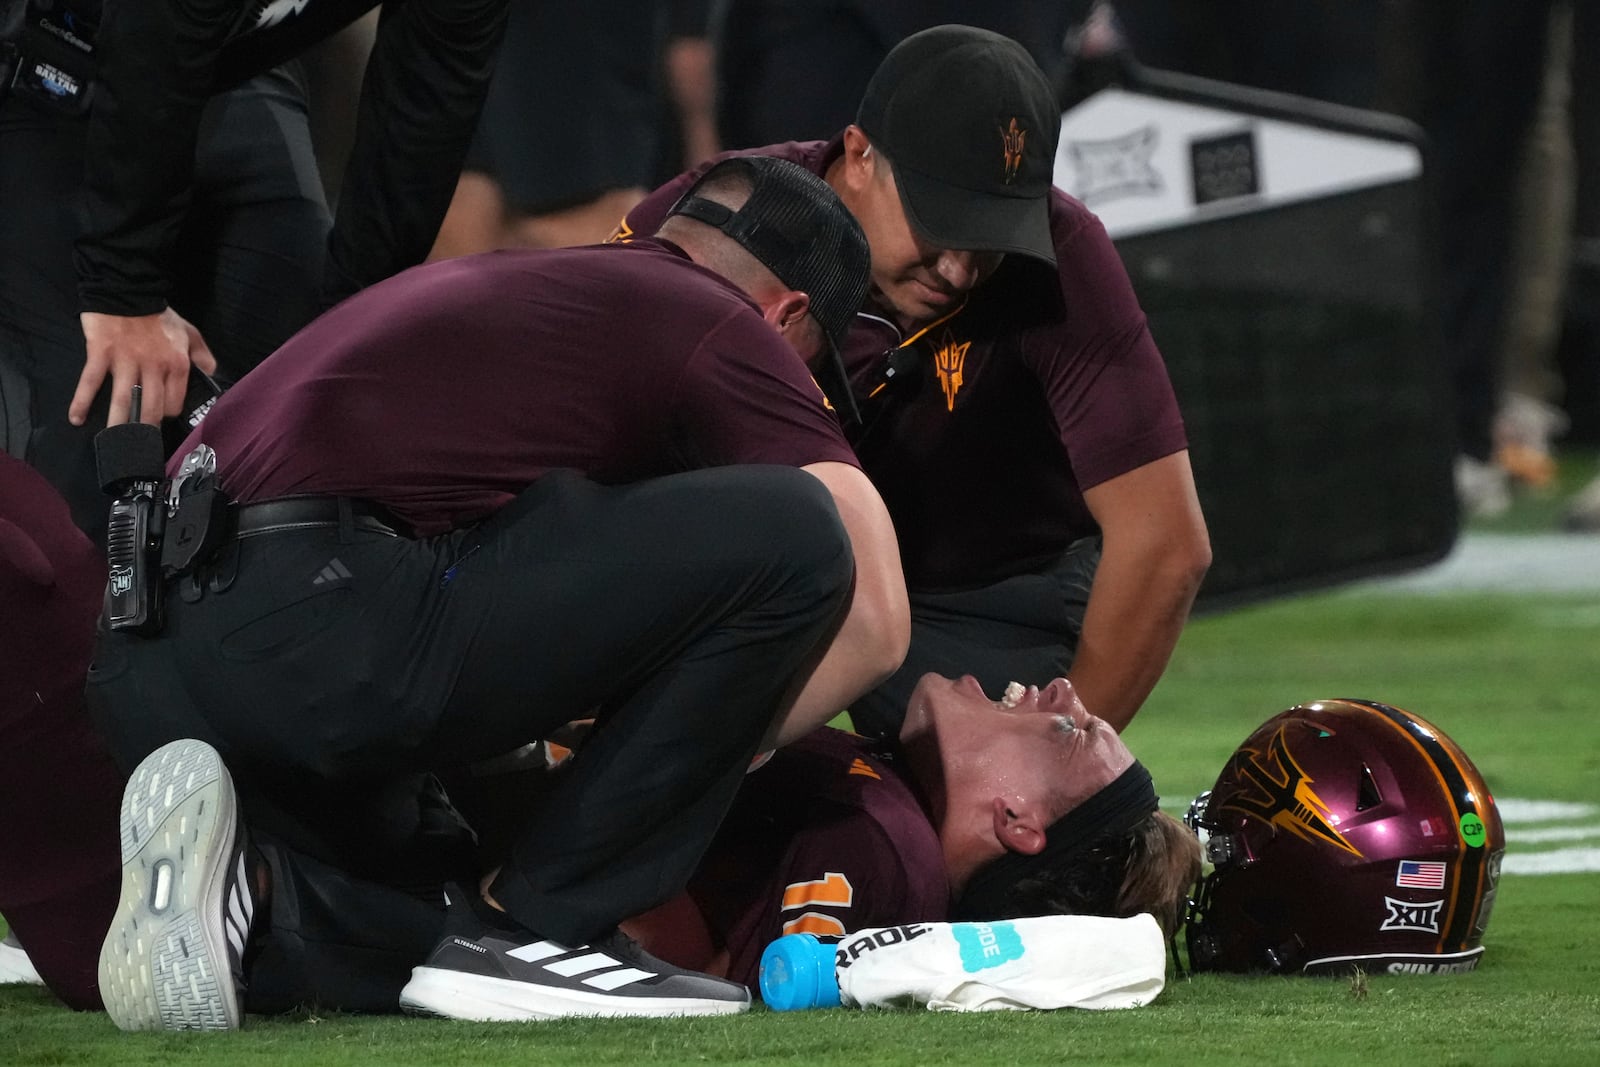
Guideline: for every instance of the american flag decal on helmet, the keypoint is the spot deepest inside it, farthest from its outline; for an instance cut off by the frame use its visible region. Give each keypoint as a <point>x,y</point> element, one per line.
<point>1420,874</point>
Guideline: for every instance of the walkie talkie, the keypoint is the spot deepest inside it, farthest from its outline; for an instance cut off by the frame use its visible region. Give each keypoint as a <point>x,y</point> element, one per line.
<point>130,461</point>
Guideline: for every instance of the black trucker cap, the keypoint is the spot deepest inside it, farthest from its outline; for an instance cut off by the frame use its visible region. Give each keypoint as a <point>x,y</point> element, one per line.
<point>969,125</point>
<point>800,230</point>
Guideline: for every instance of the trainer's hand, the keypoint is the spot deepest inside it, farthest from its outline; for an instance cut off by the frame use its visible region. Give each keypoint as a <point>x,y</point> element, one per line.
<point>153,351</point>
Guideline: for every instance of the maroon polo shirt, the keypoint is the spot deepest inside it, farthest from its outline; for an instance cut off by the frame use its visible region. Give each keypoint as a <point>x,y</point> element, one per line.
<point>1044,384</point>
<point>445,391</point>
<point>825,838</point>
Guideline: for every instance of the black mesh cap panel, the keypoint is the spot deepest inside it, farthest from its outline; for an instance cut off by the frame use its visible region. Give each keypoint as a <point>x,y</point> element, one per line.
<point>800,230</point>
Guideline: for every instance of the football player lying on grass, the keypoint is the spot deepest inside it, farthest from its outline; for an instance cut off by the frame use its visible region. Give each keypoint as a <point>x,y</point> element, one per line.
<point>988,809</point>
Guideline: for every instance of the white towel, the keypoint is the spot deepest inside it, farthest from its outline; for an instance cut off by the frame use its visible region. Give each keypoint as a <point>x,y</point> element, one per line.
<point>1054,961</point>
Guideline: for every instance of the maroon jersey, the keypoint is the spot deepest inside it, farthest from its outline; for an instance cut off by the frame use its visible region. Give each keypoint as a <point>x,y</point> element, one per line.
<point>826,838</point>
<point>1039,387</point>
<point>448,389</point>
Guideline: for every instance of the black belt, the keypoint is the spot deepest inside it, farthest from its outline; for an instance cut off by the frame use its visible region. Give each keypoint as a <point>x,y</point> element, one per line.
<point>310,513</point>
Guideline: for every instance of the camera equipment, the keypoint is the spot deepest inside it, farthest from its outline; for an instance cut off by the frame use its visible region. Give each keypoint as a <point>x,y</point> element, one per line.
<point>128,458</point>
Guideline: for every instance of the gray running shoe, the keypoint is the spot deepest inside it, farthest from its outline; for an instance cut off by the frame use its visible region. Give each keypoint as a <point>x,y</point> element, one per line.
<point>504,975</point>
<point>172,959</point>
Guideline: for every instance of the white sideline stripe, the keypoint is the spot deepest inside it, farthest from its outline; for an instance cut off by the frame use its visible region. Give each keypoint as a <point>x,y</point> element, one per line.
<point>1554,833</point>
<point>539,950</point>
<point>1557,861</point>
<point>1512,563</point>
<point>1518,809</point>
<point>593,961</point>
<point>612,979</point>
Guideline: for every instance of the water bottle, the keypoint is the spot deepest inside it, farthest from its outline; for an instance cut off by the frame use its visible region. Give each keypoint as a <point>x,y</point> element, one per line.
<point>1054,961</point>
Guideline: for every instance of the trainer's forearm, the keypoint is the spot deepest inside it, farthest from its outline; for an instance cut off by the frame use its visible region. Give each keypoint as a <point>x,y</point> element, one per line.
<point>864,653</point>
<point>1155,554</point>
<point>1129,632</point>
<point>873,638</point>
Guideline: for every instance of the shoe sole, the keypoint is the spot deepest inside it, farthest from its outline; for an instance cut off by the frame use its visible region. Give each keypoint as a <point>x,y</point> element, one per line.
<point>164,964</point>
<point>481,998</point>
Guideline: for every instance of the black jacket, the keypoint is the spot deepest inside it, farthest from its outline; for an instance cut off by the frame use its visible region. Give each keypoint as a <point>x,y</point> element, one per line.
<point>159,61</point>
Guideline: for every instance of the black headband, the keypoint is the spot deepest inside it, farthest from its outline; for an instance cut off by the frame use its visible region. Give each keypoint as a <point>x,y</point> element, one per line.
<point>1113,811</point>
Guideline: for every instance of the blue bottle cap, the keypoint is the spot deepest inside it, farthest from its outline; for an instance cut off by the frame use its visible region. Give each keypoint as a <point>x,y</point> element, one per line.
<point>797,972</point>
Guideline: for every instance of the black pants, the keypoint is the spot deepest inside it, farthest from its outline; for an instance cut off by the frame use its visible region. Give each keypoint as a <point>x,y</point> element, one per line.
<point>248,268</point>
<point>339,668</point>
<point>1022,629</point>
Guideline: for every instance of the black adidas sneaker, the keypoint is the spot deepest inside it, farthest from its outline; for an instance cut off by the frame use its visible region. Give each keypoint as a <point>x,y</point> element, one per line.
<point>505,975</point>
<point>172,959</point>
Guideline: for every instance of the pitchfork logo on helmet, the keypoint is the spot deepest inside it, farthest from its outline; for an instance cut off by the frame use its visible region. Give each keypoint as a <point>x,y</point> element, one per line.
<point>1346,834</point>
<point>1276,790</point>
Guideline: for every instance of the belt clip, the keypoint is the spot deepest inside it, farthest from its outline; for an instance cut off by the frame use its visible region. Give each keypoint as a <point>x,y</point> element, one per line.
<point>201,465</point>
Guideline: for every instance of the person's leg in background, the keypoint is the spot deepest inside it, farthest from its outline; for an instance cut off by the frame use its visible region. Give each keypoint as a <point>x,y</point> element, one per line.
<point>568,139</point>
<point>333,69</point>
<point>1579,351</point>
<point>768,51</point>
<point>1481,68</point>
<point>1528,419</point>
<point>252,249</point>
<point>41,342</point>
<point>688,110</point>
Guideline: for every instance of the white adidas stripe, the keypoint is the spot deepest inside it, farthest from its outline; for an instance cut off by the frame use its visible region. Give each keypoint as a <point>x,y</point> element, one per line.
<point>612,973</point>
<point>539,950</point>
<point>236,907</point>
<point>576,965</point>
<point>615,979</point>
<point>247,900</point>
<point>235,934</point>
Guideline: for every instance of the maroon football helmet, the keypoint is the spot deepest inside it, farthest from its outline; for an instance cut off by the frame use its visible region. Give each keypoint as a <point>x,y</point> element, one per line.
<point>1345,834</point>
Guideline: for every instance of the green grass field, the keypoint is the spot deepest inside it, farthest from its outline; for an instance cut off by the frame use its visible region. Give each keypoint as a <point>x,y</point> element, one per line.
<point>1515,679</point>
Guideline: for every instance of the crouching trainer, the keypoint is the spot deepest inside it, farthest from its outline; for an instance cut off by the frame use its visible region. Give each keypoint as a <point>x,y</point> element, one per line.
<point>474,502</point>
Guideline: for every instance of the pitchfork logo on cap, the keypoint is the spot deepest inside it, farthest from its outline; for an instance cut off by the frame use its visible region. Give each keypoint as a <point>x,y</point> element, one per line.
<point>1013,138</point>
<point>949,360</point>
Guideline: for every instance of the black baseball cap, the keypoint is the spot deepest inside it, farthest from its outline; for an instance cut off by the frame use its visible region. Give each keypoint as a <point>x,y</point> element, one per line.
<point>800,230</point>
<point>969,125</point>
